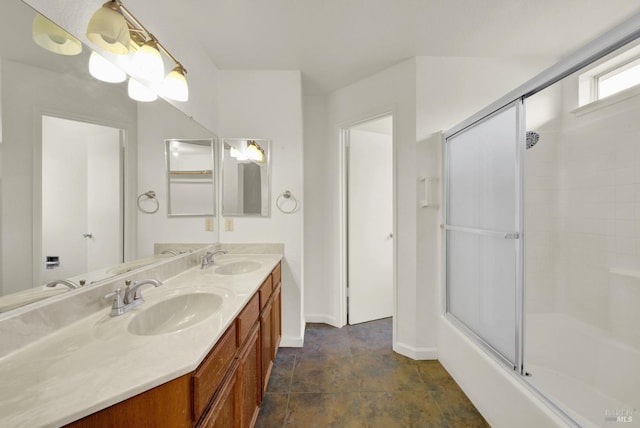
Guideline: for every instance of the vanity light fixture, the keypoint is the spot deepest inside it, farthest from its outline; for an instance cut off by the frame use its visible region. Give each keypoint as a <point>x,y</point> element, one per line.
<point>104,70</point>
<point>114,28</point>
<point>51,37</point>
<point>109,29</point>
<point>139,92</point>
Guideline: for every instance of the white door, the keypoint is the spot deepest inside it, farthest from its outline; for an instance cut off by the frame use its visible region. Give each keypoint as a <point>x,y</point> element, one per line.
<point>370,222</point>
<point>81,197</point>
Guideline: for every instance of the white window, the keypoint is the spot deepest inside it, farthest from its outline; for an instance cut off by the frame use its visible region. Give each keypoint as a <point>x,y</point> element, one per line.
<point>619,79</point>
<point>612,75</point>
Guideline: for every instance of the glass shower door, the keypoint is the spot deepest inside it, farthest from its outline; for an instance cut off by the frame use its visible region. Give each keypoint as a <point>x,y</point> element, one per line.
<point>483,224</point>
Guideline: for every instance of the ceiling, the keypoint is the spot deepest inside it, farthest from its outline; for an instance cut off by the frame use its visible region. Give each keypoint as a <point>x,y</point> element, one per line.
<point>338,42</point>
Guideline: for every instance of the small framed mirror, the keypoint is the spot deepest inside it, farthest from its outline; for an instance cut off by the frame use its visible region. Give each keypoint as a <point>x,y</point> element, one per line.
<point>191,186</point>
<point>246,177</point>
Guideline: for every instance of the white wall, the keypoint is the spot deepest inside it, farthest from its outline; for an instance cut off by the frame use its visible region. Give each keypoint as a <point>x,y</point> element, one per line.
<point>319,198</point>
<point>268,104</point>
<point>30,91</point>
<point>392,89</point>
<point>158,121</point>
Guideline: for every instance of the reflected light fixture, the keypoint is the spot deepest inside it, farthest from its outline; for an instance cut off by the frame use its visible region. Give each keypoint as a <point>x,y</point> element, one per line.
<point>109,29</point>
<point>51,37</point>
<point>175,85</point>
<point>147,62</point>
<point>255,152</point>
<point>139,92</point>
<point>102,69</point>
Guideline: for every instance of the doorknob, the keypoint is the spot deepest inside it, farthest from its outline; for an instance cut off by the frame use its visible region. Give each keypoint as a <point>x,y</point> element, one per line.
<point>87,235</point>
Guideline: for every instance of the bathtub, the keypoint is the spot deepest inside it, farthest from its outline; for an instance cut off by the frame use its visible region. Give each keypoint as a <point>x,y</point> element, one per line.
<point>593,378</point>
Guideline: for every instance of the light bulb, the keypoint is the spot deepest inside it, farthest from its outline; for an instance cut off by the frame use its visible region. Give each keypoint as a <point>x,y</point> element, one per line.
<point>175,85</point>
<point>139,92</point>
<point>104,70</point>
<point>147,63</point>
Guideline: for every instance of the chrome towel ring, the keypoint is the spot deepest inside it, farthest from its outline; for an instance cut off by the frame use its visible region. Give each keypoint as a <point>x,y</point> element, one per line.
<point>287,195</point>
<point>149,195</point>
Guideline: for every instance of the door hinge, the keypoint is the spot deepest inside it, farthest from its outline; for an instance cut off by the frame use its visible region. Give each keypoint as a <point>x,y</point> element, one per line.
<point>514,235</point>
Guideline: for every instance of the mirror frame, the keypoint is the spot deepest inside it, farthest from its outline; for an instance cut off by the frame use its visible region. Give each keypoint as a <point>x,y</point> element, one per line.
<point>267,143</point>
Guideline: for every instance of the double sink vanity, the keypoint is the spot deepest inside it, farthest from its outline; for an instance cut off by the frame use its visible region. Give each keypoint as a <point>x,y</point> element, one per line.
<point>197,352</point>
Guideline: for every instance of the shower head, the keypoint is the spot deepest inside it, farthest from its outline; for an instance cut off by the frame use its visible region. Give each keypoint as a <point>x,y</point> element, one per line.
<point>532,139</point>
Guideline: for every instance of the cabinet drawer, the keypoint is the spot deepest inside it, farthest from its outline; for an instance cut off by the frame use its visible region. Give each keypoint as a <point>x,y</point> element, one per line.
<point>265,291</point>
<point>248,318</point>
<point>277,275</point>
<point>210,373</point>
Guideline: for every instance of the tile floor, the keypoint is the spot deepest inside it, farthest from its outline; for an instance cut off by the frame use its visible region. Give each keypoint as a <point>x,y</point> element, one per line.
<point>350,377</point>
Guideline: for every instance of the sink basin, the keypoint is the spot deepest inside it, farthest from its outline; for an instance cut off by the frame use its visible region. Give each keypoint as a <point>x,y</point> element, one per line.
<point>175,313</point>
<point>238,268</point>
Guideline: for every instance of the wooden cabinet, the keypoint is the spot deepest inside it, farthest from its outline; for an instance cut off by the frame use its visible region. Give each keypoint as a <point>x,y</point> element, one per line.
<point>222,413</point>
<point>249,391</point>
<point>227,387</point>
<point>208,376</point>
<point>266,342</point>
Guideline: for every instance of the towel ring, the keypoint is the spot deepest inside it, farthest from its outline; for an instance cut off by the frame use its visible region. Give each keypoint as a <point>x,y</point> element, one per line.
<point>150,195</point>
<point>287,195</point>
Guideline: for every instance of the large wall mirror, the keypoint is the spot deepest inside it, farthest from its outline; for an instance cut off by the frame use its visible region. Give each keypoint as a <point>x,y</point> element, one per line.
<point>190,177</point>
<point>245,177</point>
<point>70,156</point>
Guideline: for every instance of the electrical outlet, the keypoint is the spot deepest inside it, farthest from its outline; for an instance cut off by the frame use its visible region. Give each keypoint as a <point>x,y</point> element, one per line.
<point>208,224</point>
<point>228,224</point>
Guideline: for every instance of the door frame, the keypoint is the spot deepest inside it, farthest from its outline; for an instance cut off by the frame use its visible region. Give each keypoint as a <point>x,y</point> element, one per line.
<point>343,207</point>
<point>128,172</point>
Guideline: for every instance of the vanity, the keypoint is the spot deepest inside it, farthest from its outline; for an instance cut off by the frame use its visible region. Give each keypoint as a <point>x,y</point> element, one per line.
<point>197,352</point>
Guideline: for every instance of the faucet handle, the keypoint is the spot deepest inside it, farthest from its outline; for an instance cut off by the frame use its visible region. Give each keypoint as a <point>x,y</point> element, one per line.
<point>117,306</point>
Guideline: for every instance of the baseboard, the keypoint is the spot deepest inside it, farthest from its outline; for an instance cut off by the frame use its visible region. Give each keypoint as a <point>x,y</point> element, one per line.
<point>324,319</point>
<point>291,342</point>
<point>416,353</point>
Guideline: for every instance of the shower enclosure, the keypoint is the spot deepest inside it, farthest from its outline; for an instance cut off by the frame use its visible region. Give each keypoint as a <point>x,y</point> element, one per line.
<point>543,237</point>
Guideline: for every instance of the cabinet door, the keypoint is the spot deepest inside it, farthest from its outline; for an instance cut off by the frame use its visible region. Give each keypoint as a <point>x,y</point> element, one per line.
<point>249,391</point>
<point>266,342</point>
<point>222,413</point>
<point>276,328</point>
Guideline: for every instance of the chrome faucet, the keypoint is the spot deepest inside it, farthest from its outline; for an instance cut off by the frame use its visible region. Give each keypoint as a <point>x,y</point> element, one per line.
<point>72,285</point>
<point>130,298</point>
<point>207,259</point>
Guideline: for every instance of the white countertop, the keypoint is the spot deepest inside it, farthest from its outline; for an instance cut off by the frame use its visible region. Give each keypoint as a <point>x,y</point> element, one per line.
<point>95,362</point>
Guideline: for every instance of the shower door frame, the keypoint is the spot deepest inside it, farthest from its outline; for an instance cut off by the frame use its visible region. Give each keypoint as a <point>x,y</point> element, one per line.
<point>518,363</point>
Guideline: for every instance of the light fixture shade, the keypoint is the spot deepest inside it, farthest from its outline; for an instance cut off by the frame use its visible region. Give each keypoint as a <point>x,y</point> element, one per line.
<point>147,63</point>
<point>51,37</point>
<point>175,85</point>
<point>103,70</point>
<point>108,29</point>
<point>255,152</point>
<point>139,92</point>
